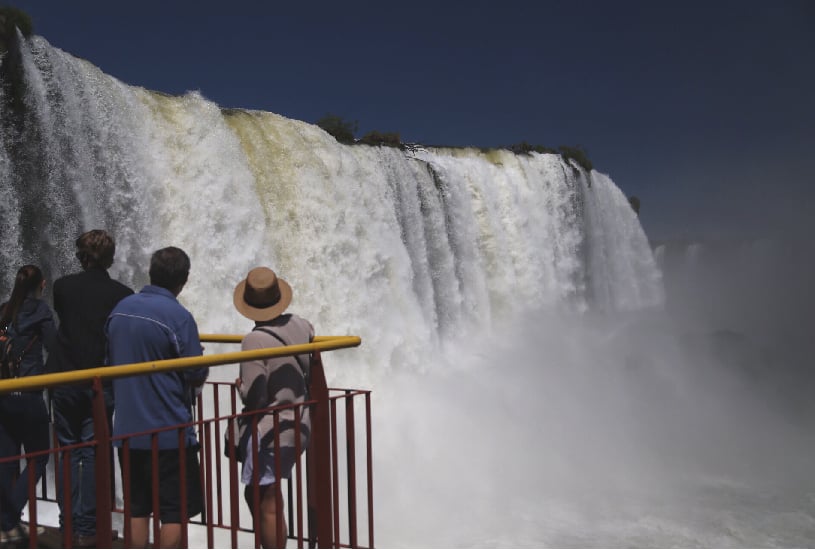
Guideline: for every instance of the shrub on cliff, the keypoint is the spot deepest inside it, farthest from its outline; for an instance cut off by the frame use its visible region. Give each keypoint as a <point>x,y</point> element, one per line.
<point>577,154</point>
<point>388,139</point>
<point>524,148</point>
<point>342,130</point>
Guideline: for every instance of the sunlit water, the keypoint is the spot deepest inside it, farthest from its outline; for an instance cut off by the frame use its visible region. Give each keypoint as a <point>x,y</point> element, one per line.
<point>531,387</point>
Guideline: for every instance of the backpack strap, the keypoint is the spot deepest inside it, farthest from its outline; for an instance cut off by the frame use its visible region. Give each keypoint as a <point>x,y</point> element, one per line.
<point>5,355</point>
<point>306,371</point>
<point>11,363</point>
<point>19,359</point>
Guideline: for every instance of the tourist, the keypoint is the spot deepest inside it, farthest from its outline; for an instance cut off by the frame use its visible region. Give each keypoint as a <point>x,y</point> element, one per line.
<point>149,326</point>
<point>24,421</point>
<point>263,298</point>
<point>83,302</point>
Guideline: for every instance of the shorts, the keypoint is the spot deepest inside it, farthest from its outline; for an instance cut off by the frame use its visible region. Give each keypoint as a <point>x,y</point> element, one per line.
<point>141,484</point>
<point>266,474</point>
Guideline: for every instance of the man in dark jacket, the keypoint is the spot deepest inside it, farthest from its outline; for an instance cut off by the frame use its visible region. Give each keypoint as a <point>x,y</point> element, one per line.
<point>83,302</point>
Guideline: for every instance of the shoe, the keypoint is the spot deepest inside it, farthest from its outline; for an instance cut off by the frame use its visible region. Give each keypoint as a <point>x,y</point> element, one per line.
<point>24,528</point>
<point>84,541</point>
<point>89,541</point>
<point>18,533</point>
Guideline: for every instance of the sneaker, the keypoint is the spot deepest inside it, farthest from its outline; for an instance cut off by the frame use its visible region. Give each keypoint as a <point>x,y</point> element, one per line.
<point>15,534</point>
<point>19,533</point>
<point>25,529</point>
<point>84,541</point>
<point>89,541</point>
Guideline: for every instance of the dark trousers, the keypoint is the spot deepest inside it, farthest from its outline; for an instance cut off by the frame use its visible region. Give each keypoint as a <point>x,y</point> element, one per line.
<point>23,424</point>
<point>73,424</point>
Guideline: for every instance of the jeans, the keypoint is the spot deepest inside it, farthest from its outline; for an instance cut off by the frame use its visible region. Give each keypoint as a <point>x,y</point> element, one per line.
<point>73,423</point>
<point>23,423</point>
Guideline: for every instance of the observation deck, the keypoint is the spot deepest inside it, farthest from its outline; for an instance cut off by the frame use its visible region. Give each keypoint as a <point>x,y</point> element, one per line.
<point>328,499</point>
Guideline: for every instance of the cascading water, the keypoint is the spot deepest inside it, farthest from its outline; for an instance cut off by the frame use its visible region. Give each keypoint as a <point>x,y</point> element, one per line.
<point>526,437</point>
<point>408,250</point>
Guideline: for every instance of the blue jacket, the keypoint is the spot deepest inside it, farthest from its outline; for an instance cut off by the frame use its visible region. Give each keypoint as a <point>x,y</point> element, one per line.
<point>34,322</point>
<point>150,326</point>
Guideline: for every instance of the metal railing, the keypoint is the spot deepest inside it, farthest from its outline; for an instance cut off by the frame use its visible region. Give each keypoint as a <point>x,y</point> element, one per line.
<point>328,469</point>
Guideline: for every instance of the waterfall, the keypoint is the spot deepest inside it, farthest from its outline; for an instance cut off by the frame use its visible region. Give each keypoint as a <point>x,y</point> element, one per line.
<point>529,387</point>
<point>410,249</point>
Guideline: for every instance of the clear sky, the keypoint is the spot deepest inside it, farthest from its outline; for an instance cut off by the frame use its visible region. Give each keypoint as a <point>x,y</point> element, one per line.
<point>703,109</point>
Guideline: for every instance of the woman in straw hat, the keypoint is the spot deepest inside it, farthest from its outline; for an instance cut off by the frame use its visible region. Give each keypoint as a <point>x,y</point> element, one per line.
<point>263,297</point>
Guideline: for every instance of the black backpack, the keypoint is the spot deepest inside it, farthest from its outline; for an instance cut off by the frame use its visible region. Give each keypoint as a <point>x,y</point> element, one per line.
<point>9,361</point>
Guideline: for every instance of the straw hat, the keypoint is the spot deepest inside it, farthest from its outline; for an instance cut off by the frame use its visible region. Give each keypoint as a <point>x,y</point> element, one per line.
<point>262,296</point>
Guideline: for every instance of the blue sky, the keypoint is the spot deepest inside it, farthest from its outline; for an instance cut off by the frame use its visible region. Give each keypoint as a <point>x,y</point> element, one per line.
<point>704,110</point>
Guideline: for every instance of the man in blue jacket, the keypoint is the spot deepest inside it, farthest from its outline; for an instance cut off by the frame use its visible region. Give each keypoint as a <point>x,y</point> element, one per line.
<point>148,326</point>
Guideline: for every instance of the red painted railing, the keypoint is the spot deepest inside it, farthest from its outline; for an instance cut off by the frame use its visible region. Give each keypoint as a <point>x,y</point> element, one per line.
<point>314,515</point>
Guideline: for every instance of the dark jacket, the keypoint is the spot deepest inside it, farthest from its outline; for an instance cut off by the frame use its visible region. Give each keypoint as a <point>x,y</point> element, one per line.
<point>33,330</point>
<point>83,302</point>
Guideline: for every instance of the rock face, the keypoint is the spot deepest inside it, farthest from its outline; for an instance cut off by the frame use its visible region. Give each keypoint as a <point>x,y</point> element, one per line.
<point>635,203</point>
<point>10,20</point>
<point>11,74</point>
<point>3,40</point>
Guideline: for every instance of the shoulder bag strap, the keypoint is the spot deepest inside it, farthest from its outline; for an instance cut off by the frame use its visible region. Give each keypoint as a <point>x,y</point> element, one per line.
<point>18,359</point>
<point>282,341</point>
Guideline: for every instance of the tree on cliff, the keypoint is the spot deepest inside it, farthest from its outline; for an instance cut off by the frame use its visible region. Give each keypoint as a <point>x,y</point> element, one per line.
<point>11,18</point>
<point>577,154</point>
<point>342,130</point>
<point>524,148</point>
<point>388,139</point>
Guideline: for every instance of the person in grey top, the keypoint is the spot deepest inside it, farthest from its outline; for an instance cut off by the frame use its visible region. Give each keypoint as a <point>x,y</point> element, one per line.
<point>263,298</point>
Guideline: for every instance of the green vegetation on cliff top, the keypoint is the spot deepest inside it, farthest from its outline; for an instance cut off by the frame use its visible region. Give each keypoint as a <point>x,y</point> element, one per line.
<point>344,132</point>
<point>9,19</point>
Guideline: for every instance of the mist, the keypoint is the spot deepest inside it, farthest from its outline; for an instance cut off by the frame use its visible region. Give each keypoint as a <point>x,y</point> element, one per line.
<point>686,425</point>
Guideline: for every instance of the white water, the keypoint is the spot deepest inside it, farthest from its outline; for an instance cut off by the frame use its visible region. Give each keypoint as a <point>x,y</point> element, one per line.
<point>528,389</point>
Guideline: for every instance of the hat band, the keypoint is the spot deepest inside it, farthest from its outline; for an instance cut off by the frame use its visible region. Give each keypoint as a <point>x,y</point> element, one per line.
<point>262,298</point>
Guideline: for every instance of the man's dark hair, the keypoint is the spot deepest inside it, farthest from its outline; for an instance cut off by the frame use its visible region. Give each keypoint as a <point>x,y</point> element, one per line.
<point>95,249</point>
<point>169,268</point>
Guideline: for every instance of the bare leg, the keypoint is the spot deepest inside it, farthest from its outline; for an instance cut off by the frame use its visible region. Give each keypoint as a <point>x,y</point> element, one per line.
<point>271,518</point>
<point>139,531</point>
<point>170,535</point>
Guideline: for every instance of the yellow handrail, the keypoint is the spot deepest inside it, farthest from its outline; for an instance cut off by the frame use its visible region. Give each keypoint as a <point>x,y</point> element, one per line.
<point>236,338</point>
<point>40,381</point>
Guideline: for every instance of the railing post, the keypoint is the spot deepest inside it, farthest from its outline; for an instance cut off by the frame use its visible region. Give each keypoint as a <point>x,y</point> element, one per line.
<point>234,493</point>
<point>320,459</point>
<point>350,453</point>
<point>370,465</point>
<point>101,431</point>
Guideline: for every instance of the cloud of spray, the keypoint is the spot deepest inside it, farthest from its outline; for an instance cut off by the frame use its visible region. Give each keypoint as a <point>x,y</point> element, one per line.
<point>669,428</point>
